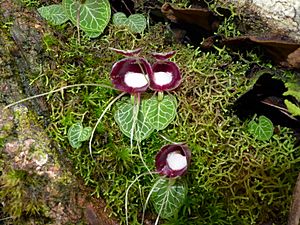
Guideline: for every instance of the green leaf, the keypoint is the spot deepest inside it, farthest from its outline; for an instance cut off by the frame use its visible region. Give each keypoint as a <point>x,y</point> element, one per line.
<point>293,90</point>
<point>92,34</point>
<point>77,134</point>
<point>120,19</point>
<point>263,130</point>
<point>93,17</point>
<point>168,196</point>
<point>136,22</point>
<point>160,113</point>
<point>55,14</point>
<point>124,117</point>
<point>292,108</point>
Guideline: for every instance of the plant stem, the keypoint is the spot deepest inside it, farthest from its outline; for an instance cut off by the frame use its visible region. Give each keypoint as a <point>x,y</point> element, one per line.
<point>100,118</point>
<point>168,140</point>
<point>127,191</point>
<point>141,156</point>
<point>148,198</point>
<point>160,96</point>
<point>56,90</point>
<point>136,109</point>
<point>78,21</point>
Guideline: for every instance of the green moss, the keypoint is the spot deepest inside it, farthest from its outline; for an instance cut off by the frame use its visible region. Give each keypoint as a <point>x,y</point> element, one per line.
<point>30,3</point>
<point>233,178</point>
<point>26,200</point>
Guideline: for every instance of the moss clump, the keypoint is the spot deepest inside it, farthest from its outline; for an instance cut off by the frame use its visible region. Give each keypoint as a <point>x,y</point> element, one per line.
<point>233,179</point>
<point>22,197</point>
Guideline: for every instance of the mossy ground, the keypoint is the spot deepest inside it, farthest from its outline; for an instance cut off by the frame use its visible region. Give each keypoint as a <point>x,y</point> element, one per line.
<point>233,178</point>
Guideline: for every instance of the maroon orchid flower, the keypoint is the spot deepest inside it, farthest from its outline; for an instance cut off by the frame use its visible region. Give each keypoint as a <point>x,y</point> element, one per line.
<point>131,74</point>
<point>173,160</point>
<point>166,75</point>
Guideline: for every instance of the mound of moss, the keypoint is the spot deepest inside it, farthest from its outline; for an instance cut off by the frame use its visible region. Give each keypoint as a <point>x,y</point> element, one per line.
<point>233,178</point>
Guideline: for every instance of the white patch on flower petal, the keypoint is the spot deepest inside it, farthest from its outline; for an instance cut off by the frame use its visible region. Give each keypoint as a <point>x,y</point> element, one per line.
<point>176,161</point>
<point>162,78</point>
<point>135,80</point>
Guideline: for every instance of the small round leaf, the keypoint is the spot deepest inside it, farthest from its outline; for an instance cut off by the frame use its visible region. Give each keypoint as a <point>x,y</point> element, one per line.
<point>120,19</point>
<point>137,23</point>
<point>55,14</point>
<point>77,134</point>
<point>263,130</point>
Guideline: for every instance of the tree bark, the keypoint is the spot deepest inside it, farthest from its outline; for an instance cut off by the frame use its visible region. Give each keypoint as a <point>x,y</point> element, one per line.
<point>25,148</point>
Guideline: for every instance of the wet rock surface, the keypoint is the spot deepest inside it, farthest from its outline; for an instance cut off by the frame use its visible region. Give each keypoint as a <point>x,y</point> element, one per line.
<point>278,16</point>
<point>38,185</point>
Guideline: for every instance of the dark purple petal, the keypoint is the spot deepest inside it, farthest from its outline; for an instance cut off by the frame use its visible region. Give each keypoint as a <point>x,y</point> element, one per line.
<point>131,75</point>
<point>161,162</point>
<point>128,53</point>
<point>163,56</point>
<point>166,76</point>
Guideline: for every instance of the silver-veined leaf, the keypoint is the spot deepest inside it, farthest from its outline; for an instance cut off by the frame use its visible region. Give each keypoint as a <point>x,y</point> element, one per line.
<point>77,134</point>
<point>124,117</point>
<point>168,195</point>
<point>93,17</point>
<point>160,113</point>
<point>55,14</point>
<point>120,19</point>
<point>263,130</point>
<point>137,23</point>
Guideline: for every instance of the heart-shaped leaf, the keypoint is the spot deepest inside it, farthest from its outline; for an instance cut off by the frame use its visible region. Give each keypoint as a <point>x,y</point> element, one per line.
<point>124,117</point>
<point>120,19</point>
<point>135,22</point>
<point>160,113</point>
<point>77,134</point>
<point>94,15</point>
<point>55,14</point>
<point>168,196</point>
<point>263,130</point>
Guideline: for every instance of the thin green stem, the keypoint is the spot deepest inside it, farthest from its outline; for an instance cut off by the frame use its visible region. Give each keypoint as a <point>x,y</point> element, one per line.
<point>127,191</point>
<point>7,218</point>
<point>160,210</point>
<point>78,21</point>
<point>148,198</point>
<point>160,96</point>
<point>136,109</point>
<point>168,140</point>
<point>56,90</point>
<point>100,118</point>
<point>83,116</point>
<point>141,156</point>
